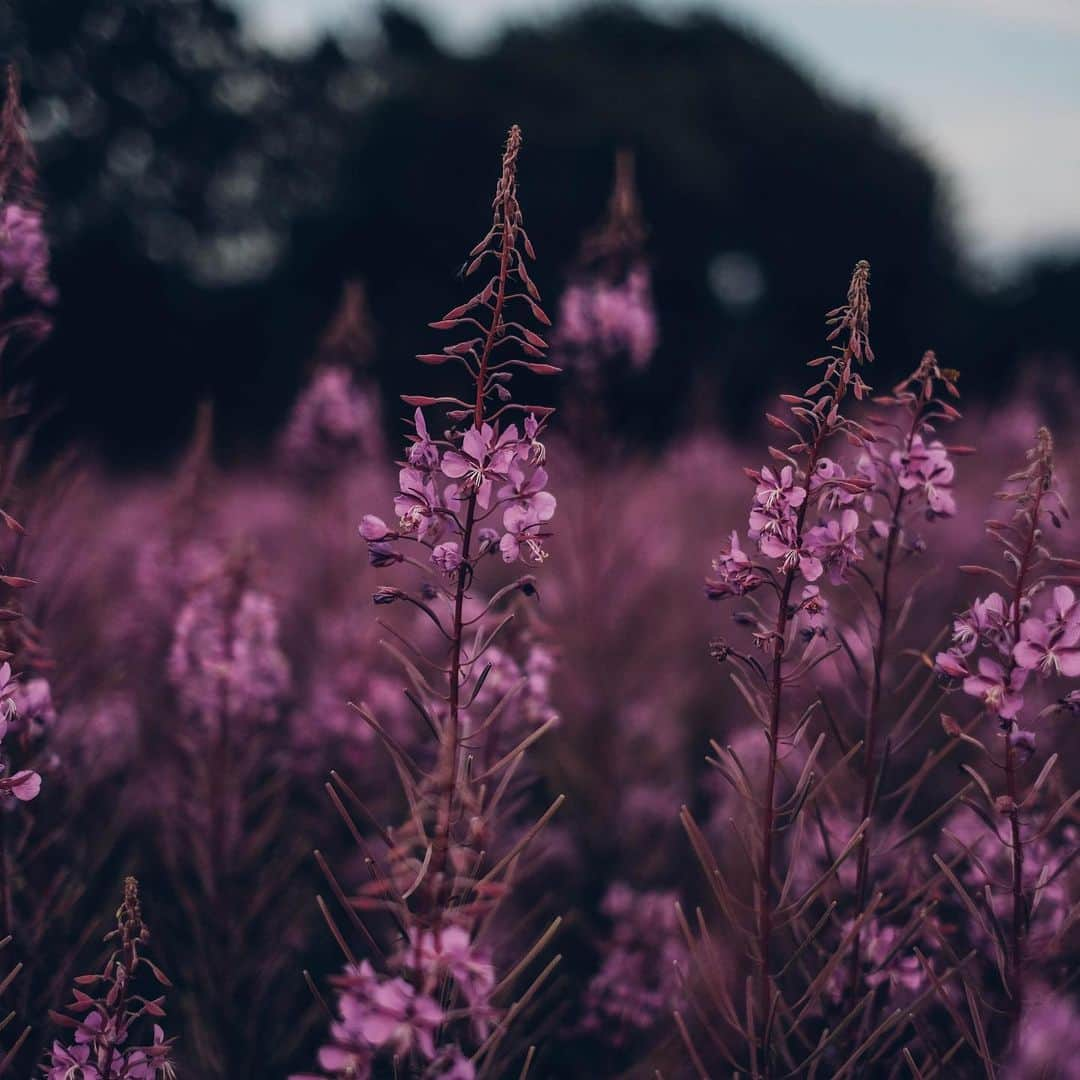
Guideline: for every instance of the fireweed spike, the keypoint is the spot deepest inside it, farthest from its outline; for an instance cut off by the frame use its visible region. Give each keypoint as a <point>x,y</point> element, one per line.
<point>472,497</point>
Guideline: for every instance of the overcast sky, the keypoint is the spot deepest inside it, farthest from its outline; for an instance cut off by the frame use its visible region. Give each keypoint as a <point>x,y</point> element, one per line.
<point>989,88</point>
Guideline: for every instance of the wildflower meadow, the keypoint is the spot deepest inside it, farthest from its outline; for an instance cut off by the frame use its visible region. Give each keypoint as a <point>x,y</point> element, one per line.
<point>466,736</point>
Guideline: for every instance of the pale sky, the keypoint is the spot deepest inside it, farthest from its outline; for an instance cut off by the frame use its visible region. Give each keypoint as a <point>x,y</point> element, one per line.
<point>990,89</point>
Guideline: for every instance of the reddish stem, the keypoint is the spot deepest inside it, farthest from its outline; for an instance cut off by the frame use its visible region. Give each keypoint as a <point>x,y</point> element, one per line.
<point>870,766</point>
<point>441,845</point>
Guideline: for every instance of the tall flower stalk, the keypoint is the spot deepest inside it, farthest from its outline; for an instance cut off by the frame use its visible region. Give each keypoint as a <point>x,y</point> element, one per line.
<point>1003,647</point>
<point>26,294</point>
<point>472,494</point>
<point>781,525</point>
<point>794,551</point>
<point>911,473</point>
<point>108,1010</point>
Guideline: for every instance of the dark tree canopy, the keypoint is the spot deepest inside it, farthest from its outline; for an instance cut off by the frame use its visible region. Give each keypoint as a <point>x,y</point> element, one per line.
<point>208,199</point>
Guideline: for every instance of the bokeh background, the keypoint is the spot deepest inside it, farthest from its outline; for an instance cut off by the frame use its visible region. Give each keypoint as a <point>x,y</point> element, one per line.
<point>214,171</point>
<point>216,168</point>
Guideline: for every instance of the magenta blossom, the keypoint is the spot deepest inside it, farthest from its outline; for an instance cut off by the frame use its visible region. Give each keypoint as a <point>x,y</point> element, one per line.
<point>1047,652</point>
<point>734,574</point>
<point>418,506</point>
<point>423,453</point>
<point>484,455</point>
<point>447,556</point>
<point>373,528</point>
<point>984,621</point>
<point>824,484</point>
<point>1063,615</point>
<point>951,665</point>
<point>396,1017</point>
<point>835,545</point>
<point>528,492</point>
<point>24,253</point>
<point>522,538</point>
<point>785,548</point>
<point>927,468</point>
<point>998,691</point>
<point>775,492</point>
<point>812,613</point>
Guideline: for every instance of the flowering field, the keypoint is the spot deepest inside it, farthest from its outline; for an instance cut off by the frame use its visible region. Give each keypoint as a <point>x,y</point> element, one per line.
<point>488,745</point>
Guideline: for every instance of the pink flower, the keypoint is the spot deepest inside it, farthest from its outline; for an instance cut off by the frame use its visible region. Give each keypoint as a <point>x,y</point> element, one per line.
<point>951,665</point>
<point>927,468</point>
<point>373,528</point>
<point>453,953</point>
<point>528,491</point>
<point>1041,650</point>
<point>778,491</point>
<point>25,785</point>
<point>482,457</point>
<point>735,574</point>
<point>417,505</point>
<point>823,484</point>
<point>447,556</point>
<point>423,453</point>
<point>1063,614</point>
<point>812,612</point>
<point>24,254</point>
<point>791,556</point>
<point>998,692</point>
<point>835,545</point>
<point>396,1017</point>
<point>522,538</point>
<point>984,621</point>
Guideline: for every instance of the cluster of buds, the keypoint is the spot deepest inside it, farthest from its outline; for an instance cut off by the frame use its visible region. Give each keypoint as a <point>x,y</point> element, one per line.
<point>107,1010</point>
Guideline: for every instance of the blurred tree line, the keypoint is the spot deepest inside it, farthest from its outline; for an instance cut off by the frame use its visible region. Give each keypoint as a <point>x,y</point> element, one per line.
<point>207,199</point>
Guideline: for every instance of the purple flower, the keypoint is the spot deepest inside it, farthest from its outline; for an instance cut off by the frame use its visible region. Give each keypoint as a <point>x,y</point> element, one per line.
<point>734,573</point>
<point>998,691</point>
<point>453,953</point>
<point>533,448</point>
<point>447,556</point>
<point>8,708</point>
<point>528,492</point>
<point>638,981</point>
<point>835,545</point>
<point>812,612</point>
<point>25,785</point>
<point>423,453</point>
<point>599,319</point>
<point>373,528</point>
<point>395,1017</point>
<point>71,1063</point>
<point>775,492</point>
<point>483,456</point>
<point>1046,652</point>
<point>522,538</point>
<point>823,483</point>
<point>334,421</point>
<point>984,621</point>
<point>417,505</point>
<point>226,654</point>
<point>33,703</point>
<point>1063,615</point>
<point>951,665</point>
<point>1047,1044</point>
<point>1024,741</point>
<point>791,556</point>
<point>24,254</point>
<point>929,470</point>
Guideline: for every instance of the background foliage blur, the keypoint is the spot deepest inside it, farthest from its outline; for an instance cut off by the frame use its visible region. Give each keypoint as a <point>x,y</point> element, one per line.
<point>206,199</point>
